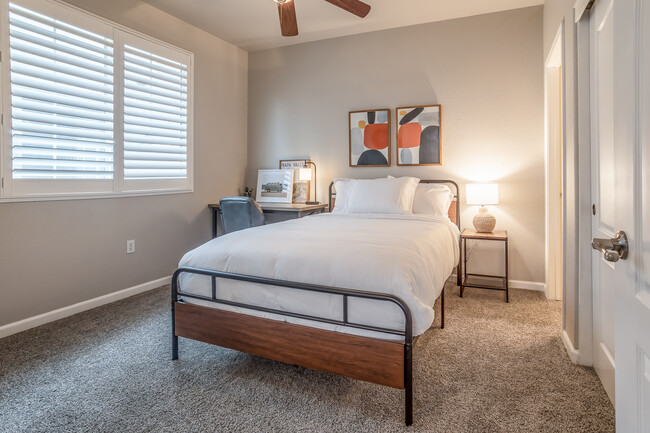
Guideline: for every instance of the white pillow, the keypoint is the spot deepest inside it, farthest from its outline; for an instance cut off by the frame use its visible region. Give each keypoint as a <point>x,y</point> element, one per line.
<point>393,196</point>
<point>432,199</point>
<point>341,199</point>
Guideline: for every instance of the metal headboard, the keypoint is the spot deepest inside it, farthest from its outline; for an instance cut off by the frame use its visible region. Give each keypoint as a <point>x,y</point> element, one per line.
<point>332,194</point>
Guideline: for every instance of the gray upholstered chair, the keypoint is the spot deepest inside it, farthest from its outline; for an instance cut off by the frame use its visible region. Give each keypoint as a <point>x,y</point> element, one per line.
<point>239,213</point>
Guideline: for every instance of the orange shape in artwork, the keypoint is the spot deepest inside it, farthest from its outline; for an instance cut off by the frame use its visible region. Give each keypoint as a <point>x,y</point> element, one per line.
<point>409,135</point>
<point>376,136</point>
<point>362,124</point>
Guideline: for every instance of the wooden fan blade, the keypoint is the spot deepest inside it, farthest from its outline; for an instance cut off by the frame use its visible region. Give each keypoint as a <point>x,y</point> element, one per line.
<point>356,7</point>
<point>288,22</point>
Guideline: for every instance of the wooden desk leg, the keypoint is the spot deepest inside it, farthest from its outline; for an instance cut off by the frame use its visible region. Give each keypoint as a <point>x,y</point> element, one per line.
<point>215,222</point>
<point>507,291</point>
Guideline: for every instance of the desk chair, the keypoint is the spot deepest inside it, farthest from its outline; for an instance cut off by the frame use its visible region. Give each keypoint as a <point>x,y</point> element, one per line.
<point>238,213</point>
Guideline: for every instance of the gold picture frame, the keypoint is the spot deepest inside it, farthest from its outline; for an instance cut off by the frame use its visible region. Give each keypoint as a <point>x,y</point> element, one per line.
<point>418,135</point>
<point>369,134</point>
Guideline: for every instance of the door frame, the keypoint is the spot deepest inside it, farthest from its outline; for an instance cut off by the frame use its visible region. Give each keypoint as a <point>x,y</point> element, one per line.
<point>555,149</point>
<point>579,345</point>
<point>584,343</point>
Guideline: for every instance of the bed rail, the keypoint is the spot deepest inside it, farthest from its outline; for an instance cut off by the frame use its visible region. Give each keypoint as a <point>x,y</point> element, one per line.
<point>407,332</point>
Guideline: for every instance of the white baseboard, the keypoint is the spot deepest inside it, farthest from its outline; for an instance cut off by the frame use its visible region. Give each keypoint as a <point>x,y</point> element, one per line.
<point>518,284</point>
<point>573,353</point>
<point>528,285</point>
<point>41,319</point>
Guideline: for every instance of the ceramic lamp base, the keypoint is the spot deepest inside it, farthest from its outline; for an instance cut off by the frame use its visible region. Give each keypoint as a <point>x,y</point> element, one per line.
<point>483,221</point>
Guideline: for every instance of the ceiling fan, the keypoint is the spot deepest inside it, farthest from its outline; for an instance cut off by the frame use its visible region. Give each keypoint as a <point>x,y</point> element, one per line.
<point>287,11</point>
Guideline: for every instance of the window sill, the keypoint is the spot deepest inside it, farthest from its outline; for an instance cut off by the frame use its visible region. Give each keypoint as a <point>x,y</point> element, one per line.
<point>92,196</point>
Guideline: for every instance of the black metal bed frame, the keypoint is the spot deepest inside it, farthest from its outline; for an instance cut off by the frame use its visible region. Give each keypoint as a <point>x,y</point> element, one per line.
<point>407,333</point>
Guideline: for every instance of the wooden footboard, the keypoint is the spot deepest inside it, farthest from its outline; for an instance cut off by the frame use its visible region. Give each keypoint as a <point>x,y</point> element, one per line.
<point>375,360</point>
<point>369,359</point>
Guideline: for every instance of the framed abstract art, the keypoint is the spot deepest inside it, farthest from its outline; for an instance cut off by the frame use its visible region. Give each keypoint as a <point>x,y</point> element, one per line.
<point>370,138</point>
<point>418,135</point>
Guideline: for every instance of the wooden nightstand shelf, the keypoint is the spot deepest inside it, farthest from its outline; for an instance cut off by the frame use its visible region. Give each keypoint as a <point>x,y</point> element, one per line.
<point>483,281</point>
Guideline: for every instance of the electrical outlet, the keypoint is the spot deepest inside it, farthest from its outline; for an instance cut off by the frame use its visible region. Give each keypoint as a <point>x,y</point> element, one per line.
<point>130,246</point>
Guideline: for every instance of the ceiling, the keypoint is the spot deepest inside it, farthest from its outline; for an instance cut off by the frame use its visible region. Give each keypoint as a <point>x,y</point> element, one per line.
<point>253,24</point>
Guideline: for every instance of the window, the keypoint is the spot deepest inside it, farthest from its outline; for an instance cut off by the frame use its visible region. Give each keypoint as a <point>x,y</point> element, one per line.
<point>61,99</point>
<point>155,114</point>
<point>91,108</point>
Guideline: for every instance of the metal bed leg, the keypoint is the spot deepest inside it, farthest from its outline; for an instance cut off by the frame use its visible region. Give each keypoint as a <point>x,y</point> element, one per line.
<point>442,309</point>
<point>174,347</point>
<point>174,336</point>
<point>408,383</point>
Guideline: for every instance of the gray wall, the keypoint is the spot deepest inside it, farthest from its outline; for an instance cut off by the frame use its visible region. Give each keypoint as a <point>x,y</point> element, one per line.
<point>57,253</point>
<point>486,71</point>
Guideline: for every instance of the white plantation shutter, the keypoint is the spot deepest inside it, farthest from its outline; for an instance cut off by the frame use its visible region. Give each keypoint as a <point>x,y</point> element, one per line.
<point>90,108</point>
<point>61,99</point>
<point>155,116</point>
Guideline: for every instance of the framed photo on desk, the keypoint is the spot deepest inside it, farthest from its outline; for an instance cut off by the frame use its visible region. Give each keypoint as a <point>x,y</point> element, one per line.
<point>274,186</point>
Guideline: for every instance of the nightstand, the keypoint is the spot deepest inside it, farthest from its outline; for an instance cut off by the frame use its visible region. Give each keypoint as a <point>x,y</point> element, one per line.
<point>483,281</point>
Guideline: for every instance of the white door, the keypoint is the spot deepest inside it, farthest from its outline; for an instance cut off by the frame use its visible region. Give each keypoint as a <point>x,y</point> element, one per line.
<point>632,179</point>
<point>605,219</point>
<point>620,128</point>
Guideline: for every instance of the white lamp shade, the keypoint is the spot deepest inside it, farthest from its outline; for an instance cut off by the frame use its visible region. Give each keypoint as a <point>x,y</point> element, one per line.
<point>305,174</point>
<point>482,194</point>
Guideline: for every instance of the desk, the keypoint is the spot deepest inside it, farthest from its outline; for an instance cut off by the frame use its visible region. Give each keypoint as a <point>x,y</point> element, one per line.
<point>277,212</point>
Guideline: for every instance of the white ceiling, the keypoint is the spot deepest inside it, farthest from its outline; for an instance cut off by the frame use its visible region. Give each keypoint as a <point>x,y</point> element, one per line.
<point>253,24</point>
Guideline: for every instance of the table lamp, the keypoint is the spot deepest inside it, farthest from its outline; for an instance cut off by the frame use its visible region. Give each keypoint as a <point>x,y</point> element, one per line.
<point>483,194</point>
<point>305,174</point>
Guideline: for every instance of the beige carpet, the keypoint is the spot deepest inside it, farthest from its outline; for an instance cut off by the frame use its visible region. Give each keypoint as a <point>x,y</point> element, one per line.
<point>496,367</point>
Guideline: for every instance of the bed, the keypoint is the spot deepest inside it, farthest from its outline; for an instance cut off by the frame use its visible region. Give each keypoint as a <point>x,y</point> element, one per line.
<point>345,293</point>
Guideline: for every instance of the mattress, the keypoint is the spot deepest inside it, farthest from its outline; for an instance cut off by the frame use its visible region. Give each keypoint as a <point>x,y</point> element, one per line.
<point>408,256</point>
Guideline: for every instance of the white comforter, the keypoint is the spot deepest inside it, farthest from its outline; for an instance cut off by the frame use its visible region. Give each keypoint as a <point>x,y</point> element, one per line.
<point>409,256</point>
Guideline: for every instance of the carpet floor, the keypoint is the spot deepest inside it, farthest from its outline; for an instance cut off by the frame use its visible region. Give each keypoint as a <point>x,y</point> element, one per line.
<point>496,367</point>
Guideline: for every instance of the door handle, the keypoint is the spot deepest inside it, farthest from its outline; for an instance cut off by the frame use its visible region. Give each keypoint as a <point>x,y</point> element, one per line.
<point>613,249</point>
